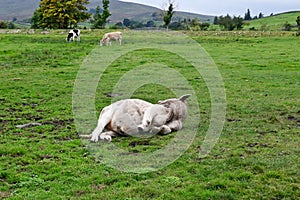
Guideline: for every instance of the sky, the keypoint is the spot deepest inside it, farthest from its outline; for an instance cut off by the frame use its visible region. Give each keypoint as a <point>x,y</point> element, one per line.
<point>231,7</point>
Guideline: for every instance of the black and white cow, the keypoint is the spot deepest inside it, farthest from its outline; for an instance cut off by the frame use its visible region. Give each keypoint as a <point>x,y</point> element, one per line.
<point>73,34</point>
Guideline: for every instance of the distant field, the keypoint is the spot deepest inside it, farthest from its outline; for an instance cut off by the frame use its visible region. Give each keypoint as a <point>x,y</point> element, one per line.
<point>256,157</point>
<point>270,23</point>
<point>275,22</point>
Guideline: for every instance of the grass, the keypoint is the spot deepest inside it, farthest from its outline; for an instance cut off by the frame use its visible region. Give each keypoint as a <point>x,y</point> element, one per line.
<point>275,22</point>
<point>256,157</point>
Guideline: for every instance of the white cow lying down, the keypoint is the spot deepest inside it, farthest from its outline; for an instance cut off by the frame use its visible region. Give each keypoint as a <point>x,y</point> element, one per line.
<point>139,118</point>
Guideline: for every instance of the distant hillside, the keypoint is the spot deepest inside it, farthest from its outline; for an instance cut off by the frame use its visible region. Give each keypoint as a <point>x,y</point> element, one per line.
<point>275,22</point>
<point>142,13</point>
<point>23,9</point>
<point>20,9</point>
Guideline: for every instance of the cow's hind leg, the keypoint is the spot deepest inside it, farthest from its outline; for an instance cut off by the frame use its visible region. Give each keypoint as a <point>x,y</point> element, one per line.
<point>104,119</point>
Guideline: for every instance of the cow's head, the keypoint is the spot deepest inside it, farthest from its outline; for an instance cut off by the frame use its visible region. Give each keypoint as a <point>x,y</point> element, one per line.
<point>177,106</point>
<point>70,35</point>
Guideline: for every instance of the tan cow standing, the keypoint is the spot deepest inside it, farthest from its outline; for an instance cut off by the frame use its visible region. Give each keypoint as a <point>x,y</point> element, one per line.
<point>112,36</point>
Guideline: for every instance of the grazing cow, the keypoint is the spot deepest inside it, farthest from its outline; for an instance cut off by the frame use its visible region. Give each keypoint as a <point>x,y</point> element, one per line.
<point>73,34</point>
<point>139,118</point>
<point>112,36</point>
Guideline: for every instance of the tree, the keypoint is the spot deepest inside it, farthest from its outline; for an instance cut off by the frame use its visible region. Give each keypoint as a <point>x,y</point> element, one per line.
<point>238,22</point>
<point>195,22</point>
<point>287,26</point>
<point>105,13</point>
<point>298,22</point>
<point>260,15</point>
<point>126,22</point>
<point>11,25</point>
<point>177,26</point>
<point>3,24</point>
<point>60,13</point>
<point>118,25</point>
<point>150,24</point>
<point>204,26</point>
<point>216,20</point>
<point>99,20</point>
<point>228,23</point>
<point>168,14</point>
<point>247,15</point>
<point>35,20</point>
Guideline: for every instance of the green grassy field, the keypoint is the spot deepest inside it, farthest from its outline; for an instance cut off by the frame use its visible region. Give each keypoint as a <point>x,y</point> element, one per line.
<point>275,22</point>
<point>256,157</point>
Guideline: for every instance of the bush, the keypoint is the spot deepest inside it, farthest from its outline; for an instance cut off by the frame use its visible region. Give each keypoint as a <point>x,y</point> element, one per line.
<point>9,25</point>
<point>204,26</point>
<point>177,26</point>
<point>3,24</point>
<point>287,26</point>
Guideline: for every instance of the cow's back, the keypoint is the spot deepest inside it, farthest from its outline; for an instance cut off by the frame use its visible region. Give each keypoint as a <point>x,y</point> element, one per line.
<point>127,115</point>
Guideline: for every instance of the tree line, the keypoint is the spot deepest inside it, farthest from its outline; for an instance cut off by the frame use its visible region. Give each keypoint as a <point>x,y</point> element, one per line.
<point>62,14</point>
<point>229,23</point>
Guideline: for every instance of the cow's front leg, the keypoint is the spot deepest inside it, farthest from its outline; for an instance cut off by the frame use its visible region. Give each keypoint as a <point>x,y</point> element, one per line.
<point>175,125</point>
<point>164,129</point>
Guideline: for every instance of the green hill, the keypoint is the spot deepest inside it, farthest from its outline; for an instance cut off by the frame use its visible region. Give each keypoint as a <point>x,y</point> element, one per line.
<point>11,9</point>
<point>21,10</point>
<point>275,22</point>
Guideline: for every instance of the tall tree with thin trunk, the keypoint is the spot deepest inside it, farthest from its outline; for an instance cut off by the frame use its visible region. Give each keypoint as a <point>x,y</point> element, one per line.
<point>247,15</point>
<point>298,22</point>
<point>100,19</point>
<point>168,14</point>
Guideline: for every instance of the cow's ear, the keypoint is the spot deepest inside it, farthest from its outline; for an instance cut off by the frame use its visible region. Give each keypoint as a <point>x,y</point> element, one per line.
<point>184,97</point>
